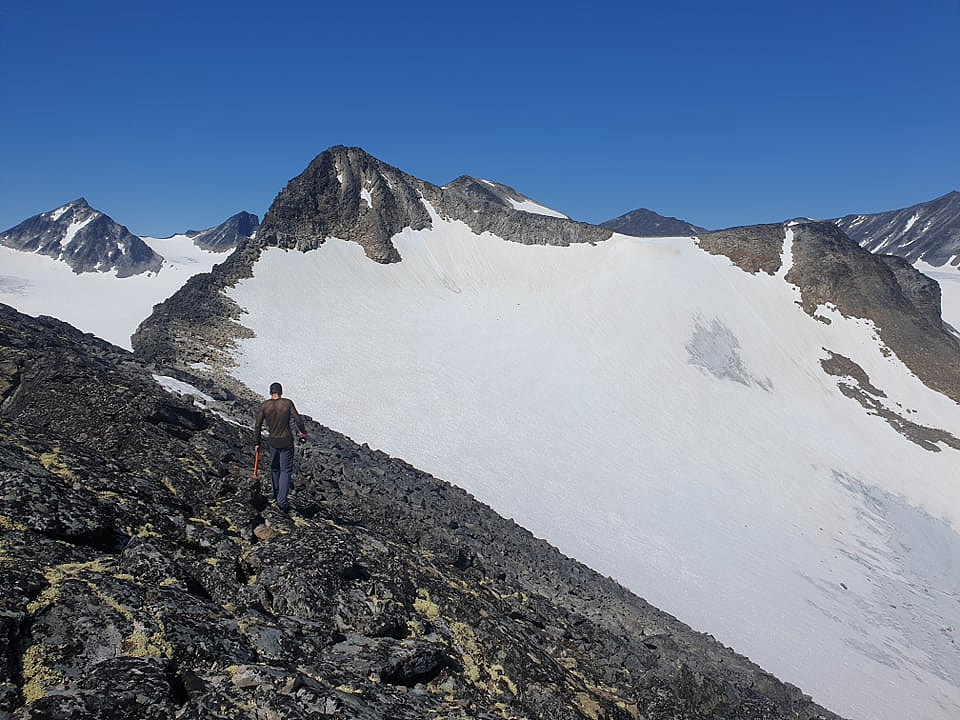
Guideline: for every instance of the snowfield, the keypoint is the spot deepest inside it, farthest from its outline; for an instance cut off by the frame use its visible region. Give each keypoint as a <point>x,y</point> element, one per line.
<point>99,303</point>
<point>948,276</point>
<point>660,415</point>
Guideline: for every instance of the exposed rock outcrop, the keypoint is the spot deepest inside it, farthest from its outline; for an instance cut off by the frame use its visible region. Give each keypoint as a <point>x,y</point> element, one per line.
<point>145,576</point>
<point>85,239</point>
<point>752,248</point>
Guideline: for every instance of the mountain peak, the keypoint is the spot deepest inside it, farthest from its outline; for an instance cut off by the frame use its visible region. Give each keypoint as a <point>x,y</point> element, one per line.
<point>229,233</point>
<point>84,238</point>
<point>647,223</point>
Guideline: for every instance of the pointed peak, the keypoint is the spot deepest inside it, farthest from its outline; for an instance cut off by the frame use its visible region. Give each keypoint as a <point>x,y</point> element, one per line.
<point>341,154</point>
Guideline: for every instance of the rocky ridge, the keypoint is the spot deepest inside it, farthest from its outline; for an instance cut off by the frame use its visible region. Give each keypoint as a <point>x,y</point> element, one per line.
<point>488,191</point>
<point>349,194</point>
<point>927,231</point>
<point>646,223</point>
<point>228,234</point>
<point>146,576</point>
<point>84,238</point>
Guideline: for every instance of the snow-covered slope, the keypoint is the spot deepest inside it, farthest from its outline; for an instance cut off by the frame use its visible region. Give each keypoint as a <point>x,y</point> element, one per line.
<point>664,417</point>
<point>948,276</point>
<point>101,303</point>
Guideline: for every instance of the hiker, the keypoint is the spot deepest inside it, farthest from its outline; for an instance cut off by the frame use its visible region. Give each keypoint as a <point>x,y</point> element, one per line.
<point>278,411</point>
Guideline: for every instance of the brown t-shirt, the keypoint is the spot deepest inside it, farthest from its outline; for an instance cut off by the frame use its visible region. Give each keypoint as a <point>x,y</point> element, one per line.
<point>277,413</point>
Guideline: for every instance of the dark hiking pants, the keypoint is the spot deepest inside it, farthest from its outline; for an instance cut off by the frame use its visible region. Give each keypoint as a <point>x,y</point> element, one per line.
<point>281,470</point>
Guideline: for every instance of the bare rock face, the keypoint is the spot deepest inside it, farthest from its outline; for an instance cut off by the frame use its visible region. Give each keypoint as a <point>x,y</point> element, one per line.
<point>348,194</point>
<point>137,579</point>
<point>753,248</point>
<point>85,239</point>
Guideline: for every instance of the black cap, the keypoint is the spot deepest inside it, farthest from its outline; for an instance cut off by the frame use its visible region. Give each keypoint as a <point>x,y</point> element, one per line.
<point>276,389</point>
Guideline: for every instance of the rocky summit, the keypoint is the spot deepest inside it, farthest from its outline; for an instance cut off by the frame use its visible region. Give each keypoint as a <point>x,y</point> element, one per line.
<point>84,238</point>
<point>146,575</point>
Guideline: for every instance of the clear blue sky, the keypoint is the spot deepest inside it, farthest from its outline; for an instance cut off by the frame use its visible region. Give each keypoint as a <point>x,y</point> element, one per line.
<point>175,115</point>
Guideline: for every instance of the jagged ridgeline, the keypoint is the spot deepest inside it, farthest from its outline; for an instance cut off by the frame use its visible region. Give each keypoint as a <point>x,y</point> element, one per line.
<point>349,194</point>
<point>144,576</point>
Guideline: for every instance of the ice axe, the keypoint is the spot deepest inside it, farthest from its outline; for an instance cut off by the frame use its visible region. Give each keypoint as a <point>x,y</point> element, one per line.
<point>256,461</point>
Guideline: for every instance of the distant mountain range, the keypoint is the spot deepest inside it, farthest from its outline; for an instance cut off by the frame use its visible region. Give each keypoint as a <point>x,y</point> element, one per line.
<point>927,231</point>
<point>90,241</point>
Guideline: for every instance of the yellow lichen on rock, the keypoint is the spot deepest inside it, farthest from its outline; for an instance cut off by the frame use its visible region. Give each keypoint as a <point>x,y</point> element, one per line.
<point>141,645</point>
<point>349,690</point>
<point>10,525</point>
<point>588,706</point>
<point>56,574</point>
<point>37,676</point>
<point>498,676</point>
<point>489,678</point>
<point>148,531</point>
<point>52,462</point>
<point>425,606</point>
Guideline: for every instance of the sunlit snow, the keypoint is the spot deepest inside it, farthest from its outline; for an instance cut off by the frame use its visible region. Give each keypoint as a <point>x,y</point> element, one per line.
<point>58,213</point>
<point>72,230</point>
<point>533,207</point>
<point>660,415</point>
<point>948,277</point>
<point>178,387</point>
